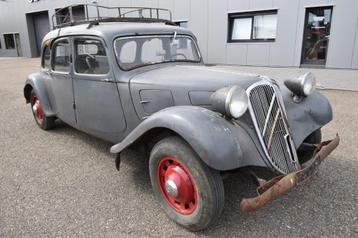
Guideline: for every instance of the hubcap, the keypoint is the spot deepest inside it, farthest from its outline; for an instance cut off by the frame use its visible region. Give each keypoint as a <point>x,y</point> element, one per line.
<point>171,188</point>
<point>37,110</point>
<point>177,185</point>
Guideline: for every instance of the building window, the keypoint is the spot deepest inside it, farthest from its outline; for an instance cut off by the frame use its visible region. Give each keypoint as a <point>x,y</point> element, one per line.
<point>9,41</point>
<point>252,26</point>
<point>0,44</point>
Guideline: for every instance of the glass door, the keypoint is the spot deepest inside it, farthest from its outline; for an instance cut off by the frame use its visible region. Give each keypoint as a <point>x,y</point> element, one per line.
<point>316,35</point>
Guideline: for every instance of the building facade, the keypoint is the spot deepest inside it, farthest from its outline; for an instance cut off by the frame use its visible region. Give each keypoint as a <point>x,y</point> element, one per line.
<point>283,33</point>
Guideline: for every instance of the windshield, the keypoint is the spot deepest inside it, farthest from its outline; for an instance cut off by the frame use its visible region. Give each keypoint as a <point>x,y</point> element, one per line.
<point>136,52</point>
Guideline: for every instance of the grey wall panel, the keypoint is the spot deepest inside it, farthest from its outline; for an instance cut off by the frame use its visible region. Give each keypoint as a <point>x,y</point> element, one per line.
<point>283,49</point>
<point>123,3</point>
<point>217,31</point>
<point>261,4</point>
<point>341,42</point>
<point>199,24</point>
<point>355,49</point>
<point>238,5</point>
<point>258,54</point>
<point>168,4</point>
<point>8,53</point>
<point>236,54</point>
<point>138,3</point>
<point>182,10</point>
<point>151,3</point>
<point>208,20</point>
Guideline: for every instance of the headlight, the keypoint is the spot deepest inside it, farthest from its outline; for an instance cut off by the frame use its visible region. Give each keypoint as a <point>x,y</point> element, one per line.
<point>230,101</point>
<point>303,85</point>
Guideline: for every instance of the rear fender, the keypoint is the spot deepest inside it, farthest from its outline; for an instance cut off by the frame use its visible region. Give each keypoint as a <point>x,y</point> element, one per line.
<point>35,82</point>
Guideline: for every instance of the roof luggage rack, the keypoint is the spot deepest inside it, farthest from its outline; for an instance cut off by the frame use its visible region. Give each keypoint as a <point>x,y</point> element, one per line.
<point>94,14</point>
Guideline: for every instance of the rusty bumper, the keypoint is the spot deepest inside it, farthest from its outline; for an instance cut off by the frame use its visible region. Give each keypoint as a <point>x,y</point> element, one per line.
<point>271,189</point>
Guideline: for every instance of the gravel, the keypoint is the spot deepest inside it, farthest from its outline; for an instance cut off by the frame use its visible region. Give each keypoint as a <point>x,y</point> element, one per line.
<point>64,182</point>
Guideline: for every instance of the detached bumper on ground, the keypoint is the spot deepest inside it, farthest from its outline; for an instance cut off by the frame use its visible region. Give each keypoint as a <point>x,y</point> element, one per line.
<point>271,189</point>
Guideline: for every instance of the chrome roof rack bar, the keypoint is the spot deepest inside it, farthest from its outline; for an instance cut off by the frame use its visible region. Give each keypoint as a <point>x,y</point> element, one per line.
<point>94,14</point>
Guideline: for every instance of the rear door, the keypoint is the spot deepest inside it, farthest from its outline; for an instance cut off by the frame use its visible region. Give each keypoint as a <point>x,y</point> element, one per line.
<point>98,106</point>
<point>62,85</point>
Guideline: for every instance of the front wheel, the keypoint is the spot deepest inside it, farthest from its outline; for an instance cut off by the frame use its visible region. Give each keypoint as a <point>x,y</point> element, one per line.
<point>41,119</point>
<point>191,193</point>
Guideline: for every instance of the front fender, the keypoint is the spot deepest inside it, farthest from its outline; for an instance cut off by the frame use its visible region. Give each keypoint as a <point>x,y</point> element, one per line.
<point>35,82</point>
<point>307,116</point>
<point>215,139</point>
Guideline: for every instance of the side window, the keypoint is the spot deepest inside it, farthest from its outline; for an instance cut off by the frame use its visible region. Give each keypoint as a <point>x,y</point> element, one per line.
<point>46,58</point>
<point>91,57</point>
<point>61,60</point>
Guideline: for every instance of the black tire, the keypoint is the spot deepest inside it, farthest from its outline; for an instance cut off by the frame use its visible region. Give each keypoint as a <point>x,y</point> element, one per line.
<point>46,123</point>
<point>207,182</point>
<point>314,138</point>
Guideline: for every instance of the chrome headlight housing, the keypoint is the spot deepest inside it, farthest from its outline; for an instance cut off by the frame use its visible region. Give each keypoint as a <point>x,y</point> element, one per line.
<point>304,85</point>
<point>230,101</point>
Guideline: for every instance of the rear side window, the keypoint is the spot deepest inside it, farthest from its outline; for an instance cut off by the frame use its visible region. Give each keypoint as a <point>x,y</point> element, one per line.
<point>46,63</point>
<point>62,56</point>
<point>91,57</point>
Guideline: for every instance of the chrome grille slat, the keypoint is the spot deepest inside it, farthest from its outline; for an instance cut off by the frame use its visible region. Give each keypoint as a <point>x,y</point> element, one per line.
<point>265,106</point>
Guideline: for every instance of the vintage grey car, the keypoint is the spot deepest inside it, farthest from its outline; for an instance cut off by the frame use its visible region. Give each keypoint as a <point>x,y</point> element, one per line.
<point>141,81</point>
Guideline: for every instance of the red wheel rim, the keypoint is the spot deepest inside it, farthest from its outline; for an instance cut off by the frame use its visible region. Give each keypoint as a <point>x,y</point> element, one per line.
<point>177,186</point>
<point>37,110</point>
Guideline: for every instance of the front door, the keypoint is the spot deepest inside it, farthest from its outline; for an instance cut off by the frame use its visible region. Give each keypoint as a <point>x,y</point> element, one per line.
<point>98,106</point>
<point>62,85</point>
<point>316,35</point>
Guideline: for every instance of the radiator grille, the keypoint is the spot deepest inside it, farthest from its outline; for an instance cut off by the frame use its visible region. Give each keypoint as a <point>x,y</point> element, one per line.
<point>269,120</point>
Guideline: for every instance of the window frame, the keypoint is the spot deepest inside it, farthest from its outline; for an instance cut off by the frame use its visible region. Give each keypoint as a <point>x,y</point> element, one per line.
<point>74,56</point>
<point>153,35</point>
<point>43,58</point>
<point>52,58</point>
<point>242,15</point>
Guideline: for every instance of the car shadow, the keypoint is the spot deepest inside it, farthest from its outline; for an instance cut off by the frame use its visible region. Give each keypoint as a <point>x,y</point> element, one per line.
<point>66,130</point>
<point>324,205</point>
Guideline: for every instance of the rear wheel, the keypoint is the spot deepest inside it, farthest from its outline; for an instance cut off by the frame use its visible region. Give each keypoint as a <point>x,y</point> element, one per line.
<point>41,119</point>
<point>191,193</point>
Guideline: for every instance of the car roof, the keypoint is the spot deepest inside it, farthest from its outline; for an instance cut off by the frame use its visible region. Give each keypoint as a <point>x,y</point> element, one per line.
<point>109,30</point>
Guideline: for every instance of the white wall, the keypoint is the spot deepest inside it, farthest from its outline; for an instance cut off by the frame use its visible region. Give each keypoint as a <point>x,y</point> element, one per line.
<point>208,20</point>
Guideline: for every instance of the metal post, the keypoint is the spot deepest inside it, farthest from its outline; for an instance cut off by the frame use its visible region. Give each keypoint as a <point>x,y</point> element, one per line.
<point>97,13</point>
<point>71,16</point>
<point>87,17</point>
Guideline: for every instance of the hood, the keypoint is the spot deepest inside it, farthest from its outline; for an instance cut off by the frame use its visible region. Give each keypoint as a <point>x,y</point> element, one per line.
<point>194,77</point>
<point>175,85</point>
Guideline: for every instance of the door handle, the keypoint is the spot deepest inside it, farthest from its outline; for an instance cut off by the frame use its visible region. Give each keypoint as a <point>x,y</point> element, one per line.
<point>106,80</point>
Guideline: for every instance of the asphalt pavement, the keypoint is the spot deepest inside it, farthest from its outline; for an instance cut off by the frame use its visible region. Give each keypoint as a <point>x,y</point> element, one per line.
<point>63,183</point>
